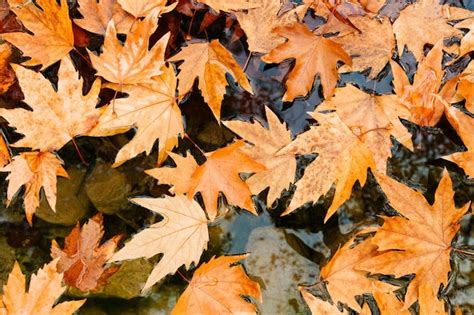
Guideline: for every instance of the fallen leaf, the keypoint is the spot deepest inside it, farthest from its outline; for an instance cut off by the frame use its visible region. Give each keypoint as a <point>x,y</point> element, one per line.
<point>209,62</point>
<point>51,27</point>
<point>313,54</point>
<point>5,155</point>
<point>344,282</point>
<point>181,236</point>
<point>371,48</point>
<point>467,42</point>
<point>419,242</point>
<point>221,173</point>
<point>83,258</point>
<point>132,62</point>
<point>34,170</point>
<point>97,15</point>
<point>423,97</point>
<point>280,170</point>
<point>7,75</point>
<point>318,306</point>
<point>388,304</point>
<point>229,6</point>
<point>177,176</point>
<point>464,126</point>
<point>145,7</point>
<point>426,22</point>
<point>57,116</point>
<point>465,88</point>
<point>340,162</point>
<point>217,287</point>
<point>150,108</point>
<point>373,119</point>
<point>258,24</point>
<point>43,291</point>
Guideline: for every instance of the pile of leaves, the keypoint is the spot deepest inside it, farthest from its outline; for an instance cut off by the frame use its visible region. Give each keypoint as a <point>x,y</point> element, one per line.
<point>100,68</point>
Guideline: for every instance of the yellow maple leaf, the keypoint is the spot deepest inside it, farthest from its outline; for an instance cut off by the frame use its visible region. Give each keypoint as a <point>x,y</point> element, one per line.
<point>52,37</point>
<point>145,7</point>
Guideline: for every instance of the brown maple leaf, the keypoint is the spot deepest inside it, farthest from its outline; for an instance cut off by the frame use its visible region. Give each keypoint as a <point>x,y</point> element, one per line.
<point>209,62</point>
<point>150,108</point>
<point>313,54</point>
<point>373,119</point>
<point>426,22</point>
<point>387,303</point>
<point>419,242</point>
<point>280,170</point>
<point>424,98</point>
<point>181,236</point>
<point>7,75</point>
<point>83,258</point>
<point>464,126</point>
<point>229,6</point>
<point>217,287</point>
<point>5,155</point>
<point>43,291</point>
<point>57,116</point>
<point>34,170</point>
<point>465,88</point>
<point>340,162</point>
<point>145,7</point>
<point>318,306</point>
<point>49,22</point>
<point>97,15</point>
<point>133,62</point>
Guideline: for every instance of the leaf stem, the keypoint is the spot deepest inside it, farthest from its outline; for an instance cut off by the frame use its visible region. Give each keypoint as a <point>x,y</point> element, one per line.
<point>79,152</point>
<point>465,252</point>
<point>182,276</point>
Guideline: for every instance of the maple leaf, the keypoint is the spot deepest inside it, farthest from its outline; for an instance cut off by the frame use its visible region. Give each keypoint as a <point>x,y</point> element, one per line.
<point>217,287</point>
<point>467,42</point>
<point>465,88</point>
<point>314,55</point>
<point>419,242</point>
<point>145,7</point>
<point>132,62</point>
<point>258,24</point>
<point>424,98</point>
<point>464,126</point>
<point>49,22</point>
<point>373,119</point>
<point>7,76</point>
<point>280,170</point>
<point>209,62</point>
<point>429,302</point>
<point>57,116</point>
<point>152,109</point>
<point>97,15</point>
<point>318,306</point>
<point>426,22</point>
<point>5,155</point>
<point>82,260</point>
<point>343,281</point>
<point>229,6</point>
<point>181,236</point>
<point>371,48</point>
<point>34,170</point>
<point>43,291</point>
<point>340,162</point>
<point>387,303</point>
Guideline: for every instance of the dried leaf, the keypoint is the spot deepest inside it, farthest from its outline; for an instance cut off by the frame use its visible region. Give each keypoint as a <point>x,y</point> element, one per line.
<point>132,62</point>
<point>280,170</point>
<point>465,88</point>
<point>7,75</point>
<point>181,236</point>
<point>318,306</point>
<point>97,15</point>
<point>209,62</point>
<point>314,55</point>
<point>52,37</point>
<point>373,119</point>
<point>229,6</point>
<point>429,302</point>
<point>151,108</point>
<point>258,24</point>
<point>340,162</point>
<point>34,170</point>
<point>145,7</point>
<point>57,116</point>
<point>388,304</point>
<point>43,291</point>
<point>467,42</point>
<point>419,242</point>
<point>217,287</point>
<point>464,126</point>
<point>83,258</point>
<point>5,155</point>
